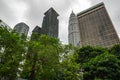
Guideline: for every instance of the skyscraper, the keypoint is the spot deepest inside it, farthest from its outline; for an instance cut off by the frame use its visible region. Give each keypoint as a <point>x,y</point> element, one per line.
<point>4,25</point>
<point>21,28</point>
<point>37,31</point>
<point>73,30</point>
<point>96,28</point>
<point>50,23</point>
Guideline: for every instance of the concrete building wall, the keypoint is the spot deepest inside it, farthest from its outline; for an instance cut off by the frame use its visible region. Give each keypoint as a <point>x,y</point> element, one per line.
<point>96,28</point>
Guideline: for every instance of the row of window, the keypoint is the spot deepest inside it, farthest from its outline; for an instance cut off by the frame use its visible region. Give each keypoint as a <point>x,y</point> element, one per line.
<point>95,24</point>
<point>104,43</point>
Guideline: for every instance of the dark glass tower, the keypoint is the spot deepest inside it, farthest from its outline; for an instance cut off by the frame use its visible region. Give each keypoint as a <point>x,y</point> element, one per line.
<point>96,28</point>
<point>50,23</point>
<point>36,32</point>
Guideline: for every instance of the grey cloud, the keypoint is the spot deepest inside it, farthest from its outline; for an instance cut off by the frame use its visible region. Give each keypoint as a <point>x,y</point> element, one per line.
<point>6,14</point>
<point>37,9</point>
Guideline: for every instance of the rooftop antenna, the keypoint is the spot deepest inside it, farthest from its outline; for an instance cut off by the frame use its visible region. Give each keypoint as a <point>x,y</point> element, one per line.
<point>72,10</point>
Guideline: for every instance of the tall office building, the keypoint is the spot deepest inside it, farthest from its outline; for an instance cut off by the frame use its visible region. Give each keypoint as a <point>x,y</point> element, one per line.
<point>21,28</point>
<point>36,30</point>
<point>73,30</point>
<point>4,25</point>
<point>50,23</point>
<point>96,28</point>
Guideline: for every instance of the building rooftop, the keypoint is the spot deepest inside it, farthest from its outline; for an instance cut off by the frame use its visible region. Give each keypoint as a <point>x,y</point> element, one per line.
<point>72,14</point>
<point>91,8</point>
<point>22,24</point>
<point>36,29</point>
<point>51,10</point>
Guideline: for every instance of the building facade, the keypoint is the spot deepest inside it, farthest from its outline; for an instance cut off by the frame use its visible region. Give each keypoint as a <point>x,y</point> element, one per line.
<point>4,25</point>
<point>73,30</point>
<point>50,23</point>
<point>36,31</point>
<point>21,28</point>
<point>96,28</point>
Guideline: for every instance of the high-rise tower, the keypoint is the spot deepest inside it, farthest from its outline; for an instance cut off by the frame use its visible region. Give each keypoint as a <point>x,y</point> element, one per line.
<point>50,23</point>
<point>73,30</point>
<point>96,28</point>
<point>21,28</point>
<point>36,31</point>
<point>4,25</point>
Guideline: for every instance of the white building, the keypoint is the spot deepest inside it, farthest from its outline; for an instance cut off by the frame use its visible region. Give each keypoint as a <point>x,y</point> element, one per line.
<point>73,30</point>
<point>3,24</point>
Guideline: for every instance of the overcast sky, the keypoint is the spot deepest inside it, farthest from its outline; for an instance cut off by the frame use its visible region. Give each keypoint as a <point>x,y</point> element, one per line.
<point>32,11</point>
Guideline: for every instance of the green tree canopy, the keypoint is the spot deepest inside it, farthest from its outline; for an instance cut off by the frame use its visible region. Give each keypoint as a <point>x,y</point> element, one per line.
<point>45,58</point>
<point>115,50</point>
<point>104,67</point>
<point>99,63</point>
<point>11,50</point>
<point>89,52</point>
<point>42,58</point>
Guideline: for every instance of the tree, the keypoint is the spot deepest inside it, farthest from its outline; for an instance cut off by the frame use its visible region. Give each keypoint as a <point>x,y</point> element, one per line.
<point>11,50</point>
<point>35,59</point>
<point>89,52</point>
<point>115,50</point>
<point>48,59</point>
<point>68,65</point>
<point>70,69</point>
<point>104,67</point>
<point>42,58</point>
<point>99,63</point>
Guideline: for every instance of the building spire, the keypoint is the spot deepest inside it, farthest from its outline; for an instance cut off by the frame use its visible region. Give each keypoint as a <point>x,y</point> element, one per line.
<point>72,11</point>
<point>72,14</point>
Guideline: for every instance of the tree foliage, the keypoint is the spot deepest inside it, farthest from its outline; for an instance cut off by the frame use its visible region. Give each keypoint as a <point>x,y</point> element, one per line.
<point>11,50</point>
<point>42,58</point>
<point>115,50</point>
<point>69,67</point>
<point>45,58</point>
<point>99,63</point>
<point>105,67</point>
<point>89,52</point>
